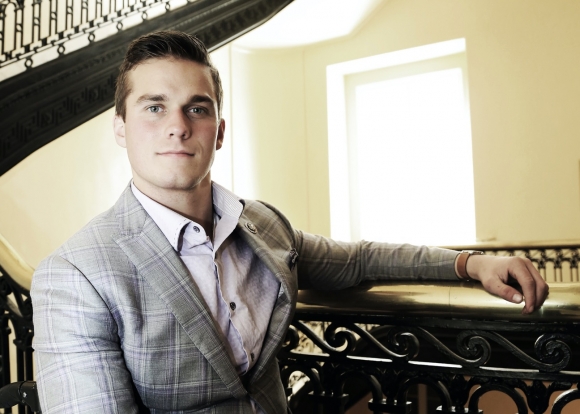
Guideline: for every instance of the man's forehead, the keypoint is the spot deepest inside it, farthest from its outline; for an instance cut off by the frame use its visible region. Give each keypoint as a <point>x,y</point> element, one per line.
<point>168,64</point>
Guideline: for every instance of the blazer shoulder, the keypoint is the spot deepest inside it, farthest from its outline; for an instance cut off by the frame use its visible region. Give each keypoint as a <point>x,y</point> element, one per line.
<point>95,241</point>
<point>96,232</point>
<point>265,214</point>
<point>260,210</point>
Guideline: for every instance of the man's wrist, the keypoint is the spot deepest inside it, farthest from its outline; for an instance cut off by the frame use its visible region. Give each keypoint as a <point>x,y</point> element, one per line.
<point>461,264</point>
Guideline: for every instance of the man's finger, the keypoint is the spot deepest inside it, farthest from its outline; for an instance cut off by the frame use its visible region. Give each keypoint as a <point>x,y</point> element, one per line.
<point>506,292</point>
<point>542,287</point>
<point>524,275</point>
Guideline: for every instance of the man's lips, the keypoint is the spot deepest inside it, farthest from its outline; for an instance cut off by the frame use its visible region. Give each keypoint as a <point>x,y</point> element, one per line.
<point>176,153</point>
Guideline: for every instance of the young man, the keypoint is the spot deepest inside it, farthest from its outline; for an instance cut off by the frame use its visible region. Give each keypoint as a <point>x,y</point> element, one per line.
<point>178,298</point>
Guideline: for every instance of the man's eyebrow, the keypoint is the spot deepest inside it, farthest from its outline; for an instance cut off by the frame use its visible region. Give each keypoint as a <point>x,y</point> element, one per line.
<point>152,98</point>
<point>201,99</point>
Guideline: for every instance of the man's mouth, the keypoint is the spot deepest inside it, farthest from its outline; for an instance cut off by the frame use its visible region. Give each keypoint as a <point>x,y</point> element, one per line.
<point>176,153</point>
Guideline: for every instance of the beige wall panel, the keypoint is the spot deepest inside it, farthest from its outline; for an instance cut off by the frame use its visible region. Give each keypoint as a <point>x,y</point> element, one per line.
<point>269,146</point>
<point>221,171</point>
<point>59,188</point>
<point>524,84</point>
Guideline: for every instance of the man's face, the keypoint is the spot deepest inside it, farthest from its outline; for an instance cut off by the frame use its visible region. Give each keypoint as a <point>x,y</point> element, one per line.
<point>171,128</point>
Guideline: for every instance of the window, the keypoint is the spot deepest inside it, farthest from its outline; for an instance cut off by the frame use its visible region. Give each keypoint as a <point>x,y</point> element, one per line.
<point>400,125</point>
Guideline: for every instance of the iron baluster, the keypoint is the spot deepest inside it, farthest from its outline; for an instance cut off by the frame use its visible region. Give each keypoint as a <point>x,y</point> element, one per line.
<point>2,24</point>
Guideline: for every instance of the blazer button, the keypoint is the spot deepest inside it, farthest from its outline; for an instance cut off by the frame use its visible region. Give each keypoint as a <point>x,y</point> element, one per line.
<point>233,306</point>
<point>251,227</point>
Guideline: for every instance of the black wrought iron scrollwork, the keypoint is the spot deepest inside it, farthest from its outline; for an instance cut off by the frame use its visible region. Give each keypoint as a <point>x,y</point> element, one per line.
<point>339,339</point>
<point>16,319</point>
<point>564,399</point>
<point>368,378</point>
<point>553,350</point>
<point>332,341</point>
<point>398,356</point>
<point>507,387</point>
<point>554,354</point>
<point>292,339</point>
<point>538,395</point>
<point>405,344</point>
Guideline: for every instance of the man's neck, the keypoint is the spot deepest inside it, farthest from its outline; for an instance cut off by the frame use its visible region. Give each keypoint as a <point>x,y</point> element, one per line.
<point>195,204</point>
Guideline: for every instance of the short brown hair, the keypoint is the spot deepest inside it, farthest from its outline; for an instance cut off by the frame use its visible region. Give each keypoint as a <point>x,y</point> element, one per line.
<point>163,44</point>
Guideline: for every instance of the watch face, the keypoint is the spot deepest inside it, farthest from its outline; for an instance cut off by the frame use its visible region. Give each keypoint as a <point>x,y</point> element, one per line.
<point>473,251</point>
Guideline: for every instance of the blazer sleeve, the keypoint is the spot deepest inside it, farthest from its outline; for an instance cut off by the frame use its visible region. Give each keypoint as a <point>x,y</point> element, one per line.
<point>79,361</point>
<point>324,263</point>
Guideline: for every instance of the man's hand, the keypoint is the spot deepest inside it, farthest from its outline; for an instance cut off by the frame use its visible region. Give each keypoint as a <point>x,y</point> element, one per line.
<point>497,273</point>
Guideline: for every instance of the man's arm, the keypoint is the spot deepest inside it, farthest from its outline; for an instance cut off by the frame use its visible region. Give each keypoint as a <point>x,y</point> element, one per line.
<point>327,264</point>
<point>79,361</point>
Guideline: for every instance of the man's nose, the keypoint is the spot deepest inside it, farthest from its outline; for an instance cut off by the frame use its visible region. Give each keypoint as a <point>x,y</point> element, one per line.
<point>178,125</point>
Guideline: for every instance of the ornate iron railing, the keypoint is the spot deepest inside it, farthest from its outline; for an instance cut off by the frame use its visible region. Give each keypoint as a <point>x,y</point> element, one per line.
<point>16,330</point>
<point>35,31</point>
<point>461,342</point>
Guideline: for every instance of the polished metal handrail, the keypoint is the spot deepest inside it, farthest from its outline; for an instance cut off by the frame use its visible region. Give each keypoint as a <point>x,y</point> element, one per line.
<point>441,299</point>
<point>18,270</point>
<point>530,245</point>
<point>456,339</point>
<point>561,251</point>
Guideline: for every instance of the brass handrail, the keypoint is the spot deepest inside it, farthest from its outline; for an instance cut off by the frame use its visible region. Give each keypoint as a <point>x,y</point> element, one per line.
<point>440,299</point>
<point>493,245</point>
<point>19,271</point>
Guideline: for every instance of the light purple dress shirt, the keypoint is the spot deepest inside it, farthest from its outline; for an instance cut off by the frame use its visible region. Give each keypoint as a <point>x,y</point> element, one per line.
<point>239,294</point>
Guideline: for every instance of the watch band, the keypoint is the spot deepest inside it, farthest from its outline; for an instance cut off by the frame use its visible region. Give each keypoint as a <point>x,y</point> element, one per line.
<point>462,263</point>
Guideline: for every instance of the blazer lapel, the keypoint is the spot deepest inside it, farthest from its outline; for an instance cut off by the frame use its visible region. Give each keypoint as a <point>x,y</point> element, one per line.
<point>283,309</point>
<point>264,252</point>
<point>156,261</point>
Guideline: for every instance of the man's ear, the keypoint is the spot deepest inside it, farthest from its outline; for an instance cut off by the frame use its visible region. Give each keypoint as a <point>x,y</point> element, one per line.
<point>119,129</point>
<point>220,135</point>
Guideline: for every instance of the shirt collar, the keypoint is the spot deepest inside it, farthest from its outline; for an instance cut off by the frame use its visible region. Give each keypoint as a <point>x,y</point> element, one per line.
<point>225,203</point>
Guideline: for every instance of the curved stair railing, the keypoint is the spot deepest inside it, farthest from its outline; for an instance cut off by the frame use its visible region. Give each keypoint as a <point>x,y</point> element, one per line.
<point>16,318</point>
<point>33,32</point>
<point>378,341</point>
<point>46,101</point>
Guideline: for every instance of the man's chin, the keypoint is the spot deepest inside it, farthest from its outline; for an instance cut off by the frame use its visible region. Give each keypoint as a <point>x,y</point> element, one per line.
<point>186,185</point>
<point>171,186</point>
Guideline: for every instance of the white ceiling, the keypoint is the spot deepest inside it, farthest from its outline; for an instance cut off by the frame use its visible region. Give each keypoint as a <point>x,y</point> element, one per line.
<point>304,22</point>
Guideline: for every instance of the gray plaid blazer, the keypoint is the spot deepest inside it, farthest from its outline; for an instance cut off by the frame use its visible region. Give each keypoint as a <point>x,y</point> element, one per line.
<point>120,326</point>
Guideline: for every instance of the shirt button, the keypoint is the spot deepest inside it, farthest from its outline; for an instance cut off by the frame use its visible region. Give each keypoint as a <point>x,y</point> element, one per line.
<point>233,306</point>
<point>252,356</point>
<point>196,229</point>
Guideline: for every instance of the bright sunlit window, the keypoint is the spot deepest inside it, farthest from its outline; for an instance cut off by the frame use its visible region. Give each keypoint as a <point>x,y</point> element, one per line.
<point>401,128</point>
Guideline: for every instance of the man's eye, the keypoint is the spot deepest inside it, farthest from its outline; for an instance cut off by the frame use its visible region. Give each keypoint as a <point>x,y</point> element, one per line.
<point>197,110</point>
<point>154,109</point>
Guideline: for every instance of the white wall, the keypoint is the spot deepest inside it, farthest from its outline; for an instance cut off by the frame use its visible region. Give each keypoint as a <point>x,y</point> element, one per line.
<point>58,189</point>
<point>270,131</point>
<point>524,85</point>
